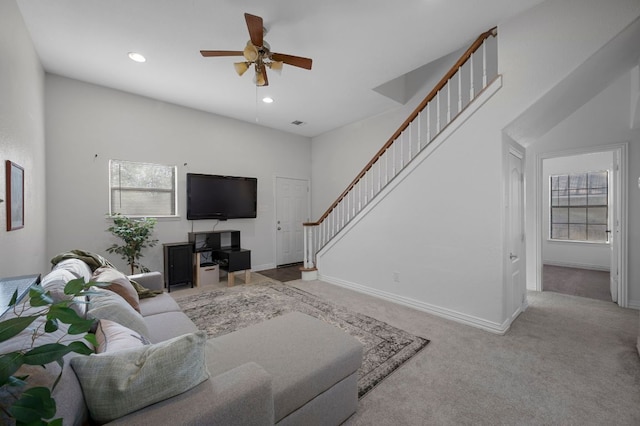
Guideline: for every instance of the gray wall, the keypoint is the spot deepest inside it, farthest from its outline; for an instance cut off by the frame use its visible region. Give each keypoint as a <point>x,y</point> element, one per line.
<point>87,125</point>
<point>21,141</point>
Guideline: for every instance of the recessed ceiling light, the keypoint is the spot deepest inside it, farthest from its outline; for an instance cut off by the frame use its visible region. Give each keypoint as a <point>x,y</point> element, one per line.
<point>134,56</point>
<point>267,100</point>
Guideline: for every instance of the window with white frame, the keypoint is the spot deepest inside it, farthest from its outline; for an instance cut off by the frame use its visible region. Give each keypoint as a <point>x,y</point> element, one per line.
<point>142,189</point>
<point>579,206</point>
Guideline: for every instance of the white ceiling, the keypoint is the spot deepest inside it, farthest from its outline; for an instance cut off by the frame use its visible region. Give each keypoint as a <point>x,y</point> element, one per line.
<point>356,45</point>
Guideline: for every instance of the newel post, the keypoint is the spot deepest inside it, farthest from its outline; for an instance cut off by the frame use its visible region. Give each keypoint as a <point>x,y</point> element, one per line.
<point>309,270</point>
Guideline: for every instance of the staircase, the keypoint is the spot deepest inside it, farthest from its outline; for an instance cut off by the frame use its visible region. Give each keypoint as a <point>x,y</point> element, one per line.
<point>461,85</point>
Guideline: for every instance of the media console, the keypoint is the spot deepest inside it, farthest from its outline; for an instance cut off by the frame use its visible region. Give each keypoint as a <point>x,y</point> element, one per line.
<point>225,249</point>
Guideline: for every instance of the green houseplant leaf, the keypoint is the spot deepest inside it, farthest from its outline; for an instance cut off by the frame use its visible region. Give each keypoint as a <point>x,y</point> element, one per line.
<point>35,406</point>
<point>13,326</point>
<point>9,364</point>
<point>45,354</point>
<point>136,235</point>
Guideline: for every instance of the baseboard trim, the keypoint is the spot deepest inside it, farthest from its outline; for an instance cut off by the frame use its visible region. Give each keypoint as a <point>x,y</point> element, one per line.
<point>492,327</point>
<point>633,304</point>
<point>266,266</point>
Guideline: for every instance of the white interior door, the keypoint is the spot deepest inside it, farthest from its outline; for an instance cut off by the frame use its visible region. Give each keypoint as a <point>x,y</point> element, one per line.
<point>516,242</point>
<point>292,210</point>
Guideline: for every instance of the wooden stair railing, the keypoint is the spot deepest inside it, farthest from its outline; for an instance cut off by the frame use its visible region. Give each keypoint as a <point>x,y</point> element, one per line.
<point>419,129</point>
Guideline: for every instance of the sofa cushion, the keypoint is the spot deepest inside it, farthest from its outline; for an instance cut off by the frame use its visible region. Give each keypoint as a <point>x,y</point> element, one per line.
<point>105,304</point>
<point>55,281</point>
<point>118,283</point>
<point>118,383</point>
<point>304,355</point>
<point>77,267</point>
<point>167,325</point>
<point>112,337</point>
<point>159,304</point>
<point>241,396</point>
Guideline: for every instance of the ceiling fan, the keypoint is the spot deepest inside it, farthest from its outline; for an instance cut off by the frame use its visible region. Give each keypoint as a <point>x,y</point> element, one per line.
<point>258,53</point>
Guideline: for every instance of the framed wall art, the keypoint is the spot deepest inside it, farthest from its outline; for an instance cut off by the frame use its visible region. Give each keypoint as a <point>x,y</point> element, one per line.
<point>15,196</point>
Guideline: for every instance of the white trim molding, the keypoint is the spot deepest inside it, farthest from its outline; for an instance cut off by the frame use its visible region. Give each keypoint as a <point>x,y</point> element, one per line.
<point>490,326</point>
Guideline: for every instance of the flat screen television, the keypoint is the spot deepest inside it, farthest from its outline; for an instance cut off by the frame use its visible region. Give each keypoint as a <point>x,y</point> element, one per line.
<point>221,197</point>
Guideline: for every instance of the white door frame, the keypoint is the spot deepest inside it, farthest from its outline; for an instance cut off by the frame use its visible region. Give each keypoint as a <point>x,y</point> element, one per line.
<point>620,151</point>
<point>275,213</point>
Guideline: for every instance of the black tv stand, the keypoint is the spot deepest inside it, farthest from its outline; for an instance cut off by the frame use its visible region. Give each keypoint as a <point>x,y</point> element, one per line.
<point>225,250</point>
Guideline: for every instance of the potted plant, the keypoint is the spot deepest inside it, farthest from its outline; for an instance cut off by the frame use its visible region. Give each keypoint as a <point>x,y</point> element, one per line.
<point>35,405</point>
<point>136,234</point>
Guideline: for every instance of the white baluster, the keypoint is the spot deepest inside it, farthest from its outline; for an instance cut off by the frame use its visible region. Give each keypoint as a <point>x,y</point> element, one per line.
<point>459,90</point>
<point>438,112</point>
<point>428,123</point>
<point>448,102</point>
<point>484,63</point>
<point>393,159</point>
<point>401,143</point>
<point>411,138</point>
<point>419,135</point>
<point>472,92</point>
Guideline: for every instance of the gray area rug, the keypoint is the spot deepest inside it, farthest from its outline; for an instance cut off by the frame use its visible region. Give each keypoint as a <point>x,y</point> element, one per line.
<point>219,312</point>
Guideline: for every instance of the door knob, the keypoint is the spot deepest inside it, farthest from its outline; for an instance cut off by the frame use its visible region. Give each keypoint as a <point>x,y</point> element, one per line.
<point>279,228</point>
<point>512,256</point>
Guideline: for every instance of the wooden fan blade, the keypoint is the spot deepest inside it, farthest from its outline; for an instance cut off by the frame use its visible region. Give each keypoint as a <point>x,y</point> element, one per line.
<point>221,53</point>
<point>256,29</point>
<point>296,61</point>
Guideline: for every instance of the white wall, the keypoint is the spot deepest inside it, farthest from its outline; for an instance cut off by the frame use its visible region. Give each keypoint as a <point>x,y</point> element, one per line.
<point>21,141</point>
<point>443,229</point>
<point>572,253</point>
<point>339,155</point>
<point>439,230</point>
<point>87,125</point>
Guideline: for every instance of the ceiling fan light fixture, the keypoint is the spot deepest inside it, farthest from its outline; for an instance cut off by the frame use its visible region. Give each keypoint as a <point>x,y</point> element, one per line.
<point>276,66</point>
<point>257,53</point>
<point>241,67</point>
<point>250,52</point>
<point>259,79</point>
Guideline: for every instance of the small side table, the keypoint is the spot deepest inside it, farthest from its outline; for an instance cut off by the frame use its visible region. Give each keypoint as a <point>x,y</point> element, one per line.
<point>8,287</point>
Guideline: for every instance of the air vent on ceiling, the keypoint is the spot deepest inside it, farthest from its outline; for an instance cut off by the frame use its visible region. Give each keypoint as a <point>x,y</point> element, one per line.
<point>297,123</point>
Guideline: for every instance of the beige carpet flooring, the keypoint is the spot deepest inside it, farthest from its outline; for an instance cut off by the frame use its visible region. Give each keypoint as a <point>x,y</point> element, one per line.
<point>576,282</point>
<point>567,360</point>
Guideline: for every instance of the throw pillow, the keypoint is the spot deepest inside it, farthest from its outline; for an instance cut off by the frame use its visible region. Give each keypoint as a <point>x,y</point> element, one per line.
<point>55,281</point>
<point>105,304</point>
<point>112,337</point>
<point>77,267</point>
<point>116,384</point>
<point>118,283</point>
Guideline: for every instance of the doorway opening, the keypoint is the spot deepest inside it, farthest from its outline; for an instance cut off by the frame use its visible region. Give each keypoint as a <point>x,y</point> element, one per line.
<point>582,264</point>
